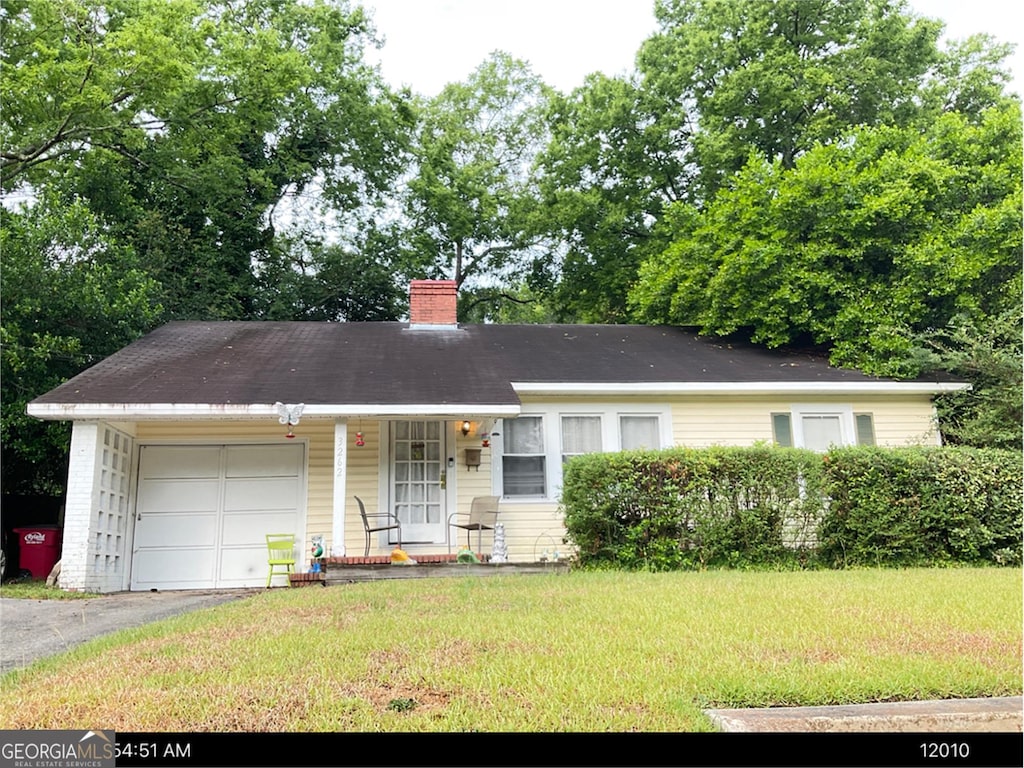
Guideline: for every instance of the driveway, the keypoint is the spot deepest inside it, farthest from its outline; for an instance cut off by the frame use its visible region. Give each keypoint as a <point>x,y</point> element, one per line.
<point>34,629</point>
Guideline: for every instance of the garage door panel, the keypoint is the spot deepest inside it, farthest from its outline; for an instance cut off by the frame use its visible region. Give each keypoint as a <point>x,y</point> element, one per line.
<point>251,530</point>
<point>204,512</point>
<point>164,496</point>
<point>261,494</point>
<point>180,530</point>
<point>181,461</point>
<point>263,461</point>
<point>243,567</point>
<point>163,567</point>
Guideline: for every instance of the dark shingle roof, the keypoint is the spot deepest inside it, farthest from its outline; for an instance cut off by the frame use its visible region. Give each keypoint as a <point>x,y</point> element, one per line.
<point>391,363</point>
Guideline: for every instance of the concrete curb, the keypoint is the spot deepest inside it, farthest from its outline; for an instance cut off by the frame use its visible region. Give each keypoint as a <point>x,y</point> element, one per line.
<point>1000,714</point>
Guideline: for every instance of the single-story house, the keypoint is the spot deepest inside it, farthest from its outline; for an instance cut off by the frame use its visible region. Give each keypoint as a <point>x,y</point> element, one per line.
<point>192,443</point>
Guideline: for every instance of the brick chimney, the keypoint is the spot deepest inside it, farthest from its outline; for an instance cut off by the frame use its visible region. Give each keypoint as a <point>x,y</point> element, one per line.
<point>432,302</point>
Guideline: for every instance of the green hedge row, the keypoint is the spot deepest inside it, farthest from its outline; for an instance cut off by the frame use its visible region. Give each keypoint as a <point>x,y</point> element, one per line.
<point>763,506</point>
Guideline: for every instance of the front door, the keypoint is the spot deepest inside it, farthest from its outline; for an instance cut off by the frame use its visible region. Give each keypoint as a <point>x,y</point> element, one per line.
<point>418,480</point>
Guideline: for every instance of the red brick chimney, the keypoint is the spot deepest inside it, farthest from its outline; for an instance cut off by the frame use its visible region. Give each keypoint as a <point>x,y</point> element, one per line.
<point>432,302</point>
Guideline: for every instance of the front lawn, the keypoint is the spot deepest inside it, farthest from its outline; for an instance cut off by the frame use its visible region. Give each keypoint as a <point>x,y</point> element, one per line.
<point>578,652</point>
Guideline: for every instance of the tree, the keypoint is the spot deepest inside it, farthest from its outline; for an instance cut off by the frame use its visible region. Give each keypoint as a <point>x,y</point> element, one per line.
<point>987,353</point>
<point>776,76</point>
<point>71,297</point>
<point>187,149</point>
<point>721,79</point>
<point>308,279</point>
<point>606,175</point>
<point>471,201</point>
<point>862,244</point>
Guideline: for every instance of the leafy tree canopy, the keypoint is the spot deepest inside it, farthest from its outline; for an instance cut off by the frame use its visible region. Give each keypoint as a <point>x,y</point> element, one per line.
<point>71,298</point>
<point>861,244</point>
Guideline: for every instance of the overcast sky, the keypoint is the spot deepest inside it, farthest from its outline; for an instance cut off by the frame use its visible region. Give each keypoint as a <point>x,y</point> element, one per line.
<point>429,43</point>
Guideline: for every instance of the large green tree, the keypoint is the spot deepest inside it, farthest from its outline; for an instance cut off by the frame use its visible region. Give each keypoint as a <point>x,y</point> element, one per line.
<point>70,298</point>
<point>186,123</point>
<point>471,201</point>
<point>719,81</point>
<point>776,76</point>
<point>861,244</point>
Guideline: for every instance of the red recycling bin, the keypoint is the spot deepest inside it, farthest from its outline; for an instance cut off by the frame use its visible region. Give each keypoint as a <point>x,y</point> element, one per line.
<point>39,549</point>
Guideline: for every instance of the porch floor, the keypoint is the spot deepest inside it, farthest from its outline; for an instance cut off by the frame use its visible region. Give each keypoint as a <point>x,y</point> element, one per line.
<point>348,570</point>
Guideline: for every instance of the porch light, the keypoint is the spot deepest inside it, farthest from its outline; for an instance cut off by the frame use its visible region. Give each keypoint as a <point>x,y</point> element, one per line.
<point>466,427</point>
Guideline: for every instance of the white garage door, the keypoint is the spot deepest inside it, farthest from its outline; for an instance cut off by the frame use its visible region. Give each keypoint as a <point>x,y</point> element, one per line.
<point>203,512</point>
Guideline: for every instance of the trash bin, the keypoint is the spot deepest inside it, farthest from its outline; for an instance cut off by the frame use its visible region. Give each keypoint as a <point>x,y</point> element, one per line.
<point>38,549</point>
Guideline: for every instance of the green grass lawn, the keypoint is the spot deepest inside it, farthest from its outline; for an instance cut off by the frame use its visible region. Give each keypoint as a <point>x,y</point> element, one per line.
<point>574,652</point>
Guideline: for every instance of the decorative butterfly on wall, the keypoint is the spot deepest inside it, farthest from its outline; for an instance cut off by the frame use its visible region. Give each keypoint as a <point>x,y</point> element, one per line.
<point>289,415</point>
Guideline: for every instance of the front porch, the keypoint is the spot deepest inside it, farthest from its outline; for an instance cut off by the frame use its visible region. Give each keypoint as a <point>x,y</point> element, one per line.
<point>349,570</point>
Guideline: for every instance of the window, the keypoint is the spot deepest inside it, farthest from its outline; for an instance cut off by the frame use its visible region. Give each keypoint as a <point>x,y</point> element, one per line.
<point>523,458</point>
<point>782,430</point>
<point>639,432</point>
<point>580,434</point>
<point>865,428</point>
<point>531,450</point>
<point>818,429</point>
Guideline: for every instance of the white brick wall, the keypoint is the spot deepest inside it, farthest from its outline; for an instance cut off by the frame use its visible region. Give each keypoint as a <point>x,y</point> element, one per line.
<point>97,511</point>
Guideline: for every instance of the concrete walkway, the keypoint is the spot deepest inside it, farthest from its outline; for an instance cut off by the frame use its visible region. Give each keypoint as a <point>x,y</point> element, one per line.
<point>994,715</point>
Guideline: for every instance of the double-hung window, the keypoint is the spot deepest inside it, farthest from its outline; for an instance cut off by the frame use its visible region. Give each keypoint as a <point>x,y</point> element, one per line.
<point>640,431</point>
<point>821,427</point>
<point>535,446</point>
<point>523,459</point>
<point>580,434</point>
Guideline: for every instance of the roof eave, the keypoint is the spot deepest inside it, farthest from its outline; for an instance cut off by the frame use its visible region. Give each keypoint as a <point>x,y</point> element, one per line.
<point>739,388</point>
<point>261,411</point>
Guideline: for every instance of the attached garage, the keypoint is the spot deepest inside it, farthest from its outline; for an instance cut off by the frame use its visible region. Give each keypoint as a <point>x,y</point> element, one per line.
<point>203,511</point>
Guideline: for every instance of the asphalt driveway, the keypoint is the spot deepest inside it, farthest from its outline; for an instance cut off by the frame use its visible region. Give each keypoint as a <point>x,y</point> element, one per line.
<point>34,629</point>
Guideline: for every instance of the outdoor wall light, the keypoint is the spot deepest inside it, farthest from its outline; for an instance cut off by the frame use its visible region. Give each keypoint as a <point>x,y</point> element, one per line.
<point>466,427</point>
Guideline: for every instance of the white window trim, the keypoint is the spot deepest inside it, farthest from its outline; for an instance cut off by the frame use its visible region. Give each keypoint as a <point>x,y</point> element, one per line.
<point>847,424</point>
<point>551,416</point>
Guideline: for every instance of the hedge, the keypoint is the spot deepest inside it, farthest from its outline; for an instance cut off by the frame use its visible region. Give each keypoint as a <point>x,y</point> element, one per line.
<point>764,506</point>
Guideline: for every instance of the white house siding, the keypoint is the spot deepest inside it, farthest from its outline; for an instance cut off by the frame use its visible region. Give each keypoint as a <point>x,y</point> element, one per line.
<point>531,527</point>
<point>734,421</point>
<point>363,480</point>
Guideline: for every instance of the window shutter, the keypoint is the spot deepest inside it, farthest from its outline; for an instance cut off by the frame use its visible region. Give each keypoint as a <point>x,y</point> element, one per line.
<point>865,429</point>
<point>782,429</point>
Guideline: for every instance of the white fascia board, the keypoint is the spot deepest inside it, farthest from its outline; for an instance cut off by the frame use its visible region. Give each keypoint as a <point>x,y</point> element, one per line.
<point>740,388</point>
<point>186,411</point>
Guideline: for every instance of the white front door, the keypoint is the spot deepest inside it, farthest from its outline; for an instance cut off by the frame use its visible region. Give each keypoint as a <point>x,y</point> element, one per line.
<point>418,480</point>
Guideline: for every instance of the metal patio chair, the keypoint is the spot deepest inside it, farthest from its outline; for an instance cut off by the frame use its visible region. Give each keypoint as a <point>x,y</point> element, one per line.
<point>482,516</point>
<point>381,521</point>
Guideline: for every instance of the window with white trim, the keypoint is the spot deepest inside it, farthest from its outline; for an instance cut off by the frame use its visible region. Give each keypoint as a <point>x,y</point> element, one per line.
<point>580,434</point>
<point>818,427</point>
<point>530,450</point>
<point>523,457</point>
<point>639,432</point>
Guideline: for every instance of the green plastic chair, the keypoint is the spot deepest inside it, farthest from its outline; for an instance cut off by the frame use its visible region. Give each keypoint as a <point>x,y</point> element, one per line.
<point>280,554</point>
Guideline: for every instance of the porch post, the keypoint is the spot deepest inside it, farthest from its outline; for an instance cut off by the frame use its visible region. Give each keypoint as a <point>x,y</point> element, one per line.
<point>340,472</point>
<point>98,513</point>
<point>82,495</point>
